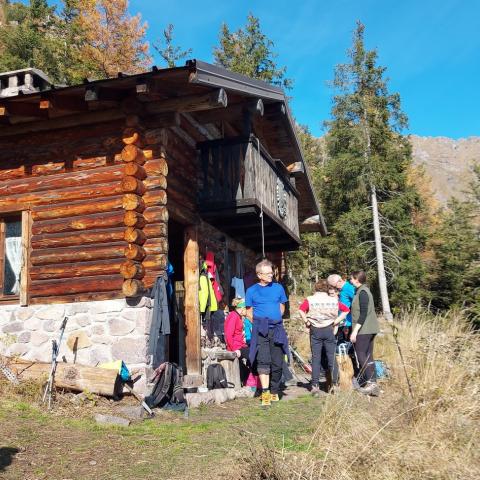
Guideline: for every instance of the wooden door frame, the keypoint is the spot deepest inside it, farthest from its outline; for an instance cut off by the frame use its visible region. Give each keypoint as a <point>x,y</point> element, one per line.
<point>193,355</point>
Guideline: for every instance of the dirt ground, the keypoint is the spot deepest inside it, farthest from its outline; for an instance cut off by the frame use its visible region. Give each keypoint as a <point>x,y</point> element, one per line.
<point>66,443</point>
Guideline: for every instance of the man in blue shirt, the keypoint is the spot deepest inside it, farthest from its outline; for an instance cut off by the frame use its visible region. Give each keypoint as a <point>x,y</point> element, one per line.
<point>345,296</point>
<point>265,302</point>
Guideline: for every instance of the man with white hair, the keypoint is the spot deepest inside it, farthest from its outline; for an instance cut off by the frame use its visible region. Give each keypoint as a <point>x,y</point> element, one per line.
<point>345,297</point>
<point>265,302</point>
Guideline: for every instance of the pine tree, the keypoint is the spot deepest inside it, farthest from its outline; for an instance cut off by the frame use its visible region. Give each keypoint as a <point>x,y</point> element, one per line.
<point>250,52</point>
<point>170,53</point>
<point>456,242</point>
<point>28,38</point>
<point>368,158</point>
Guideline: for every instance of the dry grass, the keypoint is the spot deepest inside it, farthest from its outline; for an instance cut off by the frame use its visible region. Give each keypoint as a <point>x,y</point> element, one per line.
<point>431,436</point>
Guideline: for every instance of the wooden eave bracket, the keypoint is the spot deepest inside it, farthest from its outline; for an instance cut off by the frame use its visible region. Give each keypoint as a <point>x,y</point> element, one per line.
<point>296,169</point>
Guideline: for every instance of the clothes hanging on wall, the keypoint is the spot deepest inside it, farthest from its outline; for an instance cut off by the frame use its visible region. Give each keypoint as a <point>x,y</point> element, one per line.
<point>206,295</point>
<point>213,274</point>
<point>238,285</point>
<point>160,324</point>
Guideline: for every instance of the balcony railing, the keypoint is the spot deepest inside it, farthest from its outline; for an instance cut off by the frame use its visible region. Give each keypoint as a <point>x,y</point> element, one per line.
<point>240,171</point>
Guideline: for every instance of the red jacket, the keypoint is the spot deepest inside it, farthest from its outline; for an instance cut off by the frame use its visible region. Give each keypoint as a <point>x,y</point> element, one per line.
<point>234,336</point>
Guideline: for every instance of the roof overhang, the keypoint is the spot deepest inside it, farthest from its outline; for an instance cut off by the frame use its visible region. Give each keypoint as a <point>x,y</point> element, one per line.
<point>68,105</point>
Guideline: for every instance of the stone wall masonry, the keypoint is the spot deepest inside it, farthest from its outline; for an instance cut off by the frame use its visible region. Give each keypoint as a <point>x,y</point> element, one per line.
<point>116,330</point>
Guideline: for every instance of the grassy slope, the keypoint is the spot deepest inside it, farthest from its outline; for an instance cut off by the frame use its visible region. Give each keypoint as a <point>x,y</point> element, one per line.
<point>211,441</point>
<point>435,435</point>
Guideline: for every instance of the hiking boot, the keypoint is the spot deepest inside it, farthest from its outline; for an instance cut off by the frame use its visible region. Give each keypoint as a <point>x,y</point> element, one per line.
<point>371,389</point>
<point>334,389</point>
<point>315,391</point>
<point>274,397</point>
<point>266,399</point>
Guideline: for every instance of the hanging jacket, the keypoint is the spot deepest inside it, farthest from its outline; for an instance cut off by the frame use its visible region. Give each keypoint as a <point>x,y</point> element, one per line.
<point>206,296</point>
<point>160,324</point>
<point>247,329</point>
<point>213,273</point>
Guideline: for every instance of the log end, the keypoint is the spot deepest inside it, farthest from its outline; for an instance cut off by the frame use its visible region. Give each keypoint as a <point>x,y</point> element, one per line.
<point>133,288</point>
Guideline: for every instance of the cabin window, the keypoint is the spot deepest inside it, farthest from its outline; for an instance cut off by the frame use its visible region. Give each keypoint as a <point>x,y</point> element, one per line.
<point>11,256</point>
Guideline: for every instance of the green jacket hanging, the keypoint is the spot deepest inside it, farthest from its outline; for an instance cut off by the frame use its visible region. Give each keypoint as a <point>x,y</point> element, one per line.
<point>206,295</point>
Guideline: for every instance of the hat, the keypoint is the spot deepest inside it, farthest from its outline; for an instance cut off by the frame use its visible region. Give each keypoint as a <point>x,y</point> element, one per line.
<point>241,304</point>
<point>333,279</point>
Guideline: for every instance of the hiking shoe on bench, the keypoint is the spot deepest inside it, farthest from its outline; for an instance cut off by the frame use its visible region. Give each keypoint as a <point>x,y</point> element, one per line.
<point>274,397</point>
<point>266,399</point>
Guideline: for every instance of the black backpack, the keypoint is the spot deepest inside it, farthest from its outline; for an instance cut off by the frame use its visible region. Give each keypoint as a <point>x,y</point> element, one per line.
<point>168,388</point>
<point>217,378</point>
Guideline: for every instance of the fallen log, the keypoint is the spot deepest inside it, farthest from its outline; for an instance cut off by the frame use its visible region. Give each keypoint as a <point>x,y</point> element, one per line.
<point>70,376</point>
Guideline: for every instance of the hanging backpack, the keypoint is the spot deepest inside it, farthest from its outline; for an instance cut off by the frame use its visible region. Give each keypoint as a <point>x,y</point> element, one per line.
<point>217,378</point>
<point>168,388</point>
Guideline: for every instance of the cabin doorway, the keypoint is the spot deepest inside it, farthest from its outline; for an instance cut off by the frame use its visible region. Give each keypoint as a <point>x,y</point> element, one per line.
<point>176,344</point>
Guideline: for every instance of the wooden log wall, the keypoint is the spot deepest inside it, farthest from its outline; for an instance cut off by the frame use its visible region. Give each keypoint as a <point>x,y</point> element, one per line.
<point>97,201</point>
<point>145,215</point>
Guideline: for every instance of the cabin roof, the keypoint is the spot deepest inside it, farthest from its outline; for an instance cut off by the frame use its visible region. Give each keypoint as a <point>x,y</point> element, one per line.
<point>94,101</point>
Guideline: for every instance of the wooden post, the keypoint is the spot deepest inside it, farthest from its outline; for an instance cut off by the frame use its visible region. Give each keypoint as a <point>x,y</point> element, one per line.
<point>192,311</point>
<point>24,272</point>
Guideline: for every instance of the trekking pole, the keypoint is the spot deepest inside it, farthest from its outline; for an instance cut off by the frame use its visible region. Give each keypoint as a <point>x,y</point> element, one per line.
<point>51,378</point>
<point>395,336</point>
<point>305,366</point>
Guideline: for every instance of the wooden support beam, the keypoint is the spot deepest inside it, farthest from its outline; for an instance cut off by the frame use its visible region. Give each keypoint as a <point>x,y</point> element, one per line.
<point>67,103</point>
<point>24,109</point>
<point>95,93</point>
<point>192,312</point>
<point>63,122</point>
<point>232,112</point>
<point>275,108</point>
<point>190,103</point>
<point>295,168</point>
<point>24,273</point>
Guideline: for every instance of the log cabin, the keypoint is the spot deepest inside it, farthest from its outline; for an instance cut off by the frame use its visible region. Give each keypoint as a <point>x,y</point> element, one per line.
<point>101,183</point>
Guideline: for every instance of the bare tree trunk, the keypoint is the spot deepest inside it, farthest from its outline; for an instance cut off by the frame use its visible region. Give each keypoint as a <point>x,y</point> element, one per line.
<point>382,279</point>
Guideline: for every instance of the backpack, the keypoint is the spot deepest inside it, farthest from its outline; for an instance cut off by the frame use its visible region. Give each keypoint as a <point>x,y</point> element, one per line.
<point>217,378</point>
<point>168,388</point>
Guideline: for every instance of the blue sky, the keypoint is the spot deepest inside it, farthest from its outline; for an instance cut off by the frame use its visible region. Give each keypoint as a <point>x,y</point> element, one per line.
<point>431,49</point>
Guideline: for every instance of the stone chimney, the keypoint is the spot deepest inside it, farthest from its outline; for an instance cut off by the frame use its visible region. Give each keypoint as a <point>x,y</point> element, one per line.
<point>28,80</point>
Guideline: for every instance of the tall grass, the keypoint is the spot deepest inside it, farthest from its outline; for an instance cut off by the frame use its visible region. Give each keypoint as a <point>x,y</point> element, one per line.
<point>434,435</point>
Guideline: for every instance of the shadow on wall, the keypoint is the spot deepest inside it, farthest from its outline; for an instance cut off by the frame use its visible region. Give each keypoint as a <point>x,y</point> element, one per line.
<point>6,456</point>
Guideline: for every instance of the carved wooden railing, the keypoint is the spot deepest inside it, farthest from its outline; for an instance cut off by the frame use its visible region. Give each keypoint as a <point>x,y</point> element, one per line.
<point>241,170</point>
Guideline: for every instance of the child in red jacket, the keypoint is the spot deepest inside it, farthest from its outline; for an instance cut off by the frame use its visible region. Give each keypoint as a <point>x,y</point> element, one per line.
<point>235,336</point>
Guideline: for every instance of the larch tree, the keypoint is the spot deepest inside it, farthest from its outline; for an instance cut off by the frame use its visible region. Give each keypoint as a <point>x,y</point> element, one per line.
<point>112,40</point>
<point>250,52</point>
<point>368,201</point>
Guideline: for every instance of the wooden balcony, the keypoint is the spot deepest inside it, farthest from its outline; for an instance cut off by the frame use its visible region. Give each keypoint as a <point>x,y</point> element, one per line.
<point>239,183</point>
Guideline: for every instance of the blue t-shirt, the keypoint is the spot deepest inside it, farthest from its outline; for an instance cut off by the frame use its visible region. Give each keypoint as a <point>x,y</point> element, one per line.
<point>346,297</point>
<point>266,300</point>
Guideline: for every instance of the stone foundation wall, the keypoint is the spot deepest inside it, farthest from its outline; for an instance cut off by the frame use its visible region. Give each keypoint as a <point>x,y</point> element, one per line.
<point>110,330</point>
